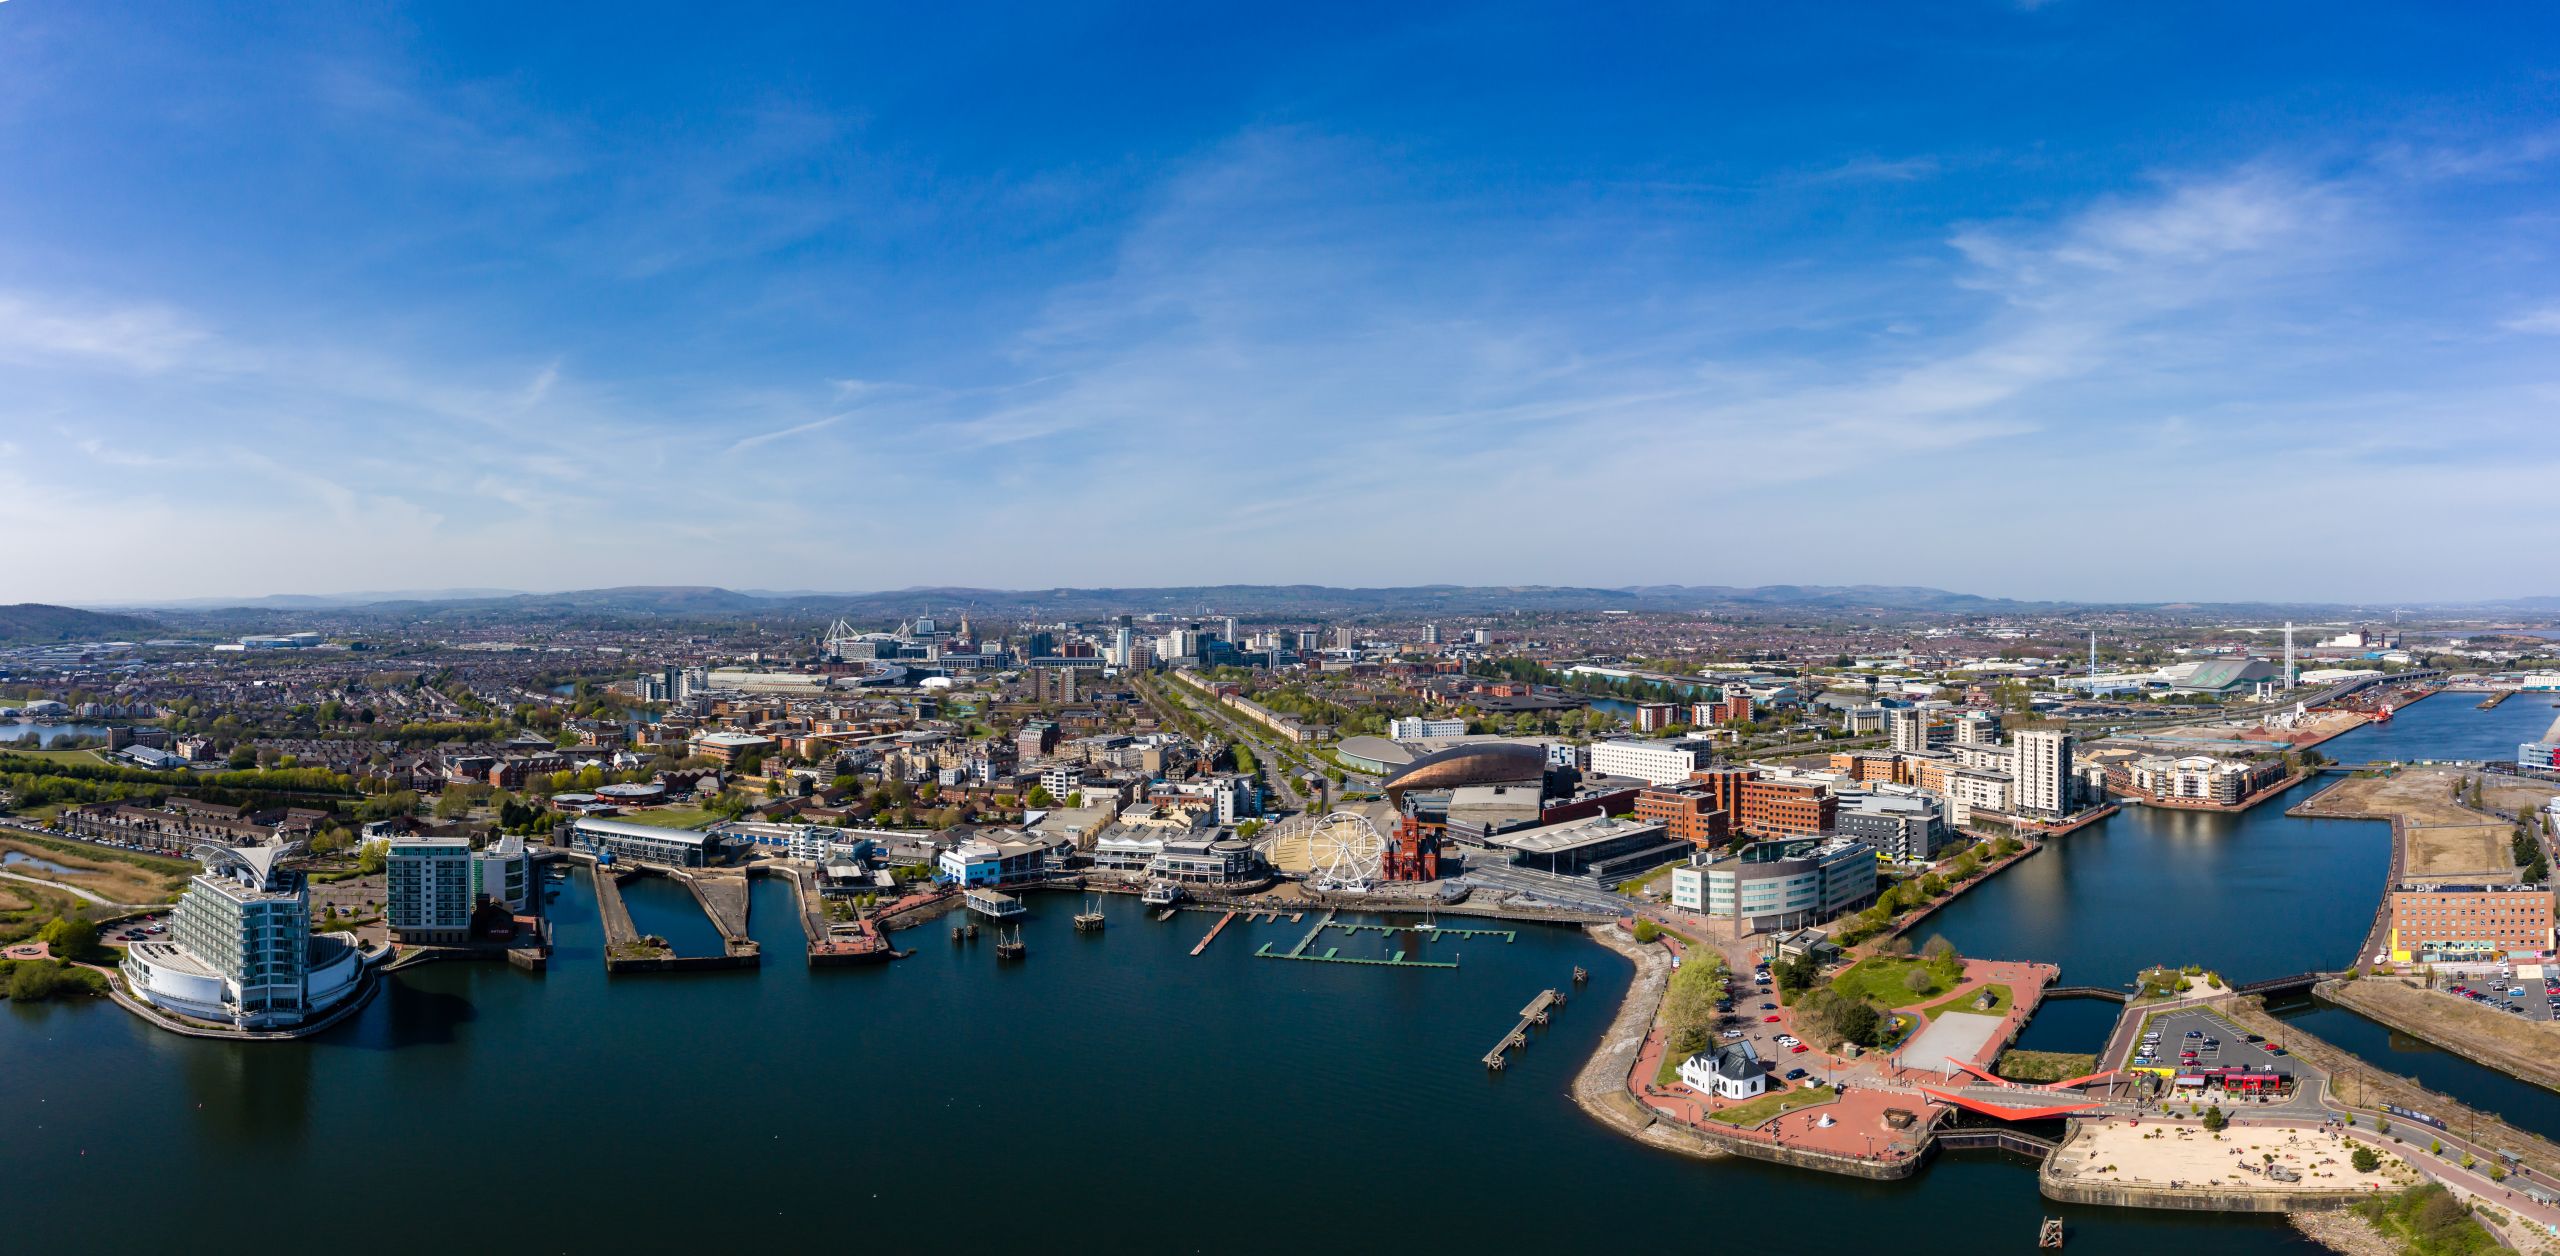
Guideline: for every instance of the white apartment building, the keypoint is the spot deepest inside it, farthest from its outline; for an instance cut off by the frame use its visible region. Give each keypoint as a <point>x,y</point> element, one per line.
<point>427,888</point>
<point>2040,772</point>
<point>1653,762</point>
<point>1417,727</point>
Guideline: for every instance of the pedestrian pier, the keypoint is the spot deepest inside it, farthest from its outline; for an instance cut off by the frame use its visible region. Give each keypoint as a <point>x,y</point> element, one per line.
<point>1212,934</point>
<point>1539,1009</point>
<point>1507,935</point>
<point>1334,955</point>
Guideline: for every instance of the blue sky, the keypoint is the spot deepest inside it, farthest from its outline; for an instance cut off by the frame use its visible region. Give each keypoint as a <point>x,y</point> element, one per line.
<point>2069,299</point>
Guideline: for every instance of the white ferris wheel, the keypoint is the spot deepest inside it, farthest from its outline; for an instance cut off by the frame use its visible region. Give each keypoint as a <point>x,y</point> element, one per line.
<point>1340,851</point>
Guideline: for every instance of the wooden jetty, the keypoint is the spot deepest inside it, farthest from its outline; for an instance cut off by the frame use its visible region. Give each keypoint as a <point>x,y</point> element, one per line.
<point>1536,1013</point>
<point>1212,935</point>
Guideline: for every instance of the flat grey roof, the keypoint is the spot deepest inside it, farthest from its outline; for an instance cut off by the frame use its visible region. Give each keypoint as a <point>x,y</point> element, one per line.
<point>624,828</point>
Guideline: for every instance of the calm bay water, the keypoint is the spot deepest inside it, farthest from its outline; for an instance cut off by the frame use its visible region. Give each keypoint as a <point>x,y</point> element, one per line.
<point>2253,895</point>
<point>1113,1092</point>
<point>2449,726</point>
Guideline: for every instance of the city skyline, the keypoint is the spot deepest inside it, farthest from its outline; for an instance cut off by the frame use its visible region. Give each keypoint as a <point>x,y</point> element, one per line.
<point>412,298</point>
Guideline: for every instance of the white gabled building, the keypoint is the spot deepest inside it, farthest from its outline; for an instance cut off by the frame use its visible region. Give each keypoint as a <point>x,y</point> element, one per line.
<point>1732,1071</point>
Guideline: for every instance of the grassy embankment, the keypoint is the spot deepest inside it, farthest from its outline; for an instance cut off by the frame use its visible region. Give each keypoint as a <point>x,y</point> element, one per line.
<point>2044,1066</point>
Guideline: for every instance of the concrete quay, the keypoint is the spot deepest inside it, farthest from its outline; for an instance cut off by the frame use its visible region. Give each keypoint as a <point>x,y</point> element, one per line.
<point>625,953</point>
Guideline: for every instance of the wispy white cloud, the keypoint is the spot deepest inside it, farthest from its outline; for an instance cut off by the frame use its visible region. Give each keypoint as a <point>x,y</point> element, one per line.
<point>2544,321</point>
<point>138,337</point>
<point>766,438</point>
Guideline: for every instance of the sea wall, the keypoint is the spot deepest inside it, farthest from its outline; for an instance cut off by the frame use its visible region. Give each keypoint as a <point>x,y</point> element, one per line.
<point>1601,1087</point>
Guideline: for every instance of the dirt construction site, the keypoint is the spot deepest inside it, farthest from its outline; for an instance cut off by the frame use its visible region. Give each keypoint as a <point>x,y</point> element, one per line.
<point>2445,840</point>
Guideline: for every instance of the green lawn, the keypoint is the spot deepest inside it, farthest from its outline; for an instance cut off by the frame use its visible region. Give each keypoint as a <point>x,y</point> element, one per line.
<point>1880,980</point>
<point>61,756</point>
<point>671,817</point>
<point>2001,1001</point>
<point>1776,1103</point>
<point>1636,885</point>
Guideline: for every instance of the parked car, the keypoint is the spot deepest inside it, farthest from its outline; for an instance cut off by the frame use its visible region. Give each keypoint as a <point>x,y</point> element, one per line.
<point>1794,1073</point>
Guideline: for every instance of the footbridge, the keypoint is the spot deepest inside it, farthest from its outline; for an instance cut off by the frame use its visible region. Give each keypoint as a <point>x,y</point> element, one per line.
<point>2299,983</point>
<point>2039,1105</point>
<point>2087,992</point>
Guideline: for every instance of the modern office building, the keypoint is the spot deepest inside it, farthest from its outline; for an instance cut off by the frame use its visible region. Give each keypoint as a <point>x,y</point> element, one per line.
<point>240,949</point>
<point>1905,827</point>
<point>1598,845</point>
<point>1781,885</point>
<point>642,843</point>
<point>2040,772</point>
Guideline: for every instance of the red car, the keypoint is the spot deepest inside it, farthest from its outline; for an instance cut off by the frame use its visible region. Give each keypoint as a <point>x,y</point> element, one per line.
<point>1769,1020</point>
<point>2272,1048</point>
<point>1798,1049</point>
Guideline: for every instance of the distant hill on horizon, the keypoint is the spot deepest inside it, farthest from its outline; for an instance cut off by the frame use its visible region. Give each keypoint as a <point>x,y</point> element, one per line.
<point>1293,600</point>
<point>35,623</point>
